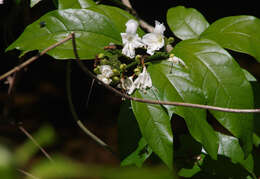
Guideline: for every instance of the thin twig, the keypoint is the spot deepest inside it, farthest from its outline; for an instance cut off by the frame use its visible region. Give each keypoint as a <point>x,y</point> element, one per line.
<point>119,93</point>
<point>76,117</point>
<point>143,24</point>
<point>32,59</point>
<point>27,174</point>
<point>35,143</point>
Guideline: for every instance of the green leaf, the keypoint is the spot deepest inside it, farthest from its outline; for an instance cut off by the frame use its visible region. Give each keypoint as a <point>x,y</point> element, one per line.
<point>138,157</point>
<point>34,2</point>
<point>229,147</point>
<point>238,33</point>
<point>223,83</point>
<point>75,4</point>
<point>186,23</point>
<point>70,169</point>
<point>94,29</point>
<point>128,130</point>
<point>155,126</point>
<point>249,76</point>
<point>173,83</point>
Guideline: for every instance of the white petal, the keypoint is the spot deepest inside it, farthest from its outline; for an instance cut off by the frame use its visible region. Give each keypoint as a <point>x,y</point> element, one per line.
<point>130,41</point>
<point>159,28</point>
<point>106,71</point>
<point>153,41</point>
<point>128,50</point>
<point>131,26</point>
<point>104,79</point>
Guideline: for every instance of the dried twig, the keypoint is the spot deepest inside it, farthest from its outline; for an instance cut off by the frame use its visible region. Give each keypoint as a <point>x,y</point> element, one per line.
<point>30,60</point>
<point>35,143</point>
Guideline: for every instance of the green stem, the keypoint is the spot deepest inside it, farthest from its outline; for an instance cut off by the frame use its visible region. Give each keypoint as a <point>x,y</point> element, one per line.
<point>156,56</point>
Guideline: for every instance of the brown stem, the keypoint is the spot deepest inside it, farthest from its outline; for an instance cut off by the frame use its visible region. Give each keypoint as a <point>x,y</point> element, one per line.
<point>35,142</point>
<point>30,60</point>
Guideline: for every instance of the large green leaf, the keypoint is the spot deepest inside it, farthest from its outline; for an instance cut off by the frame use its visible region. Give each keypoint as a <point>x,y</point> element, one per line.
<point>34,2</point>
<point>94,29</point>
<point>173,83</point>
<point>75,4</point>
<point>223,83</point>
<point>238,33</point>
<point>186,23</point>
<point>139,156</point>
<point>229,147</point>
<point>155,126</point>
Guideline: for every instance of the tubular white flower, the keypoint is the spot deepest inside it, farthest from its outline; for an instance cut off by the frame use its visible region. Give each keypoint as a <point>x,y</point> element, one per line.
<point>106,71</point>
<point>176,60</point>
<point>155,40</point>
<point>104,79</point>
<point>127,84</point>
<point>142,82</point>
<point>130,39</point>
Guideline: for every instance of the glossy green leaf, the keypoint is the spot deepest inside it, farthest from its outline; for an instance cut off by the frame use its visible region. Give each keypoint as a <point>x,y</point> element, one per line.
<point>223,83</point>
<point>128,130</point>
<point>75,4</point>
<point>173,83</point>
<point>249,76</point>
<point>138,157</point>
<point>34,2</point>
<point>155,126</point>
<point>94,29</point>
<point>238,33</point>
<point>186,23</point>
<point>229,147</point>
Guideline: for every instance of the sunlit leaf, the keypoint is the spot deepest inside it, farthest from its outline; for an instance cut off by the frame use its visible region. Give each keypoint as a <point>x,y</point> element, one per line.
<point>155,126</point>
<point>223,83</point>
<point>75,4</point>
<point>249,76</point>
<point>238,33</point>
<point>138,157</point>
<point>65,168</point>
<point>34,2</point>
<point>94,29</point>
<point>186,23</point>
<point>173,83</point>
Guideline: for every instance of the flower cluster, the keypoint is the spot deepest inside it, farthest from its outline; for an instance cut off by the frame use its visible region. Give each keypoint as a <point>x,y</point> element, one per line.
<point>152,41</point>
<point>113,68</point>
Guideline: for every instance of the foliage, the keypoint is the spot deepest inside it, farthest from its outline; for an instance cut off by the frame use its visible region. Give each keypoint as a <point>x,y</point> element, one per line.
<point>208,75</point>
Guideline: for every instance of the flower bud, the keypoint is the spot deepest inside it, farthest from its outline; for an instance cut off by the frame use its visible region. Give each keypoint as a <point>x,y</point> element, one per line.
<point>138,58</point>
<point>122,67</point>
<point>115,79</point>
<point>116,72</point>
<point>101,56</point>
<point>137,71</point>
<point>104,61</point>
<point>97,70</point>
<point>170,40</point>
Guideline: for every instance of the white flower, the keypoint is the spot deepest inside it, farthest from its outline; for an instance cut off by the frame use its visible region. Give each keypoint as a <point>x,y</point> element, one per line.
<point>142,82</point>
<point>106,71</point>
<point>130,39</point>
<point>127,84</point>
<point>104,79</point>
<point>155,40</point>
<point>176,60</point>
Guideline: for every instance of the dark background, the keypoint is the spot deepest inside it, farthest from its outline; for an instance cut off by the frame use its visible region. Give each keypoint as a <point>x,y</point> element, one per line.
<point>40,93</point>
